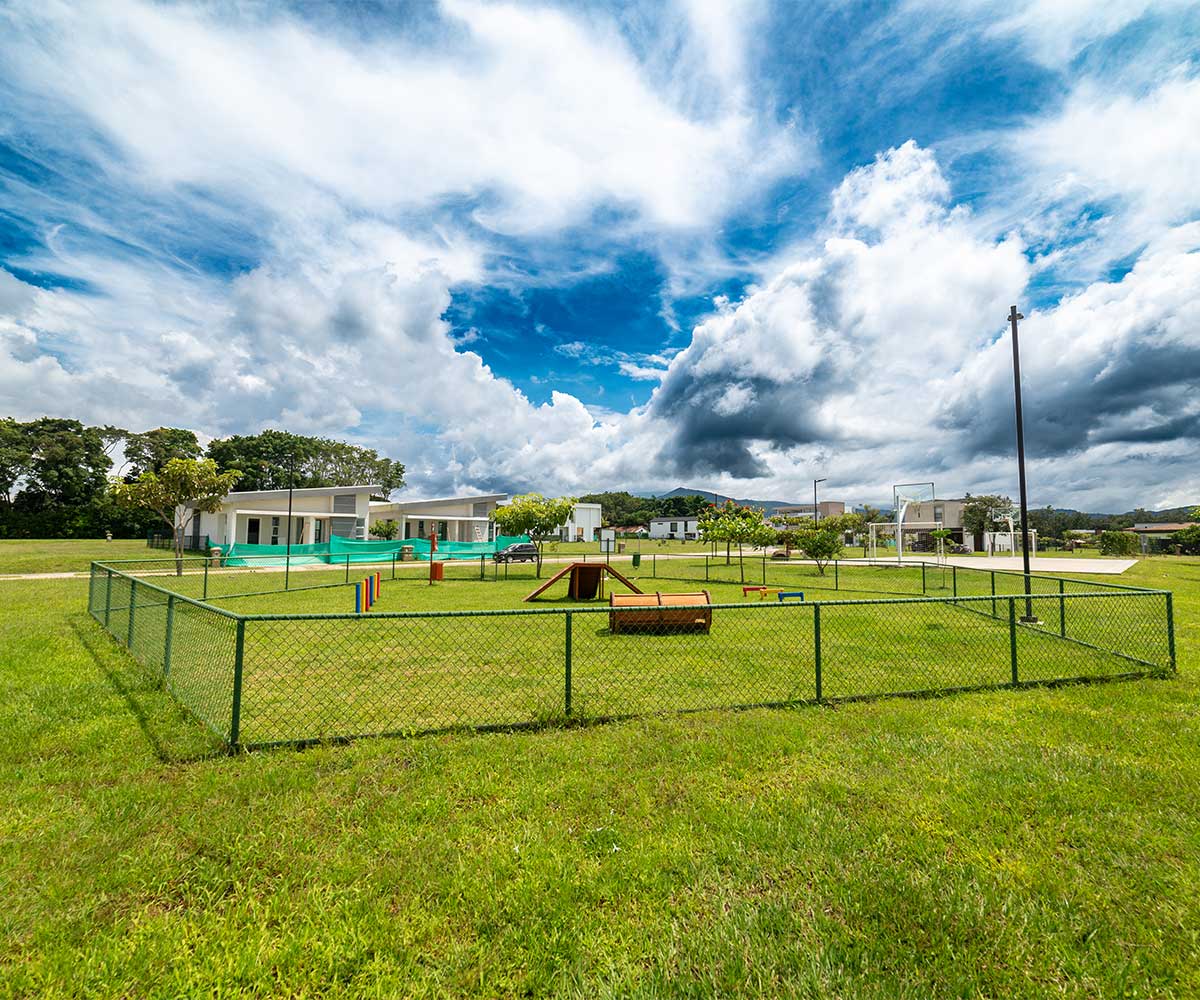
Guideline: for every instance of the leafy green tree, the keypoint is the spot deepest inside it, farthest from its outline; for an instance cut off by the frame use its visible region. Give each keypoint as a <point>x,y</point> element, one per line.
<point>823,541</point>
<point>386,530</point>
<point>983,513</point>
<point>734,524</point>
<point>149,451</point>
<point>1188,539</point>
<point>176,494</point>
<point>265,461</point>
<point>534,515</point>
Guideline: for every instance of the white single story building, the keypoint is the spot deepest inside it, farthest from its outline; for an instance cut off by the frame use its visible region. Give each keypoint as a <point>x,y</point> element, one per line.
<point>453,519</point>
<point>686,528</point>
<point>584,524</point>
<point>260,517</point>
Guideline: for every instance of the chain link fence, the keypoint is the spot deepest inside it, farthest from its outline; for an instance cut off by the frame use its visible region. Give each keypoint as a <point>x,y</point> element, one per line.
<point>260,680</point>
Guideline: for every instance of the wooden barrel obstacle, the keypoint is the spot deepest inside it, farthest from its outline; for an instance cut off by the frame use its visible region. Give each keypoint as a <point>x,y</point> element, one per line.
<point>660,612</point>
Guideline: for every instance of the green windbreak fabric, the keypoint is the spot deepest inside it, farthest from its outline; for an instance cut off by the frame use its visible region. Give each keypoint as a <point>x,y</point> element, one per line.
<point>339,550</point>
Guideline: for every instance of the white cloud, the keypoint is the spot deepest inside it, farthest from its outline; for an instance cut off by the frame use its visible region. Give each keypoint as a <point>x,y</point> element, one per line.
<point>538,113</point>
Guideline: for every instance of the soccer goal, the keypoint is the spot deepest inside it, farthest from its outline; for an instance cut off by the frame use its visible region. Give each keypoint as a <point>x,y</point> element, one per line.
<point>918,537</point>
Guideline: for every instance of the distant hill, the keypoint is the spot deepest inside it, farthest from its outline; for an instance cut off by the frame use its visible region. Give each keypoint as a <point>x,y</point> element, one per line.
<point>770,506</point>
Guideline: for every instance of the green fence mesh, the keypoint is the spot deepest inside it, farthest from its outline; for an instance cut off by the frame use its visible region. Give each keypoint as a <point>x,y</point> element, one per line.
<point>339,550</point>
<point>258,680</point>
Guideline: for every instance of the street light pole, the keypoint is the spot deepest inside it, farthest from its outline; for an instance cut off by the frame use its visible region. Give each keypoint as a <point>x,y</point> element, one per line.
<point>1013,316</point>
<point>816,509</point>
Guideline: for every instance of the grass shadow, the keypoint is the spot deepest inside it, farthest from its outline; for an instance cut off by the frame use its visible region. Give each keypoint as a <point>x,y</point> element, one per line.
<point>153,708</point>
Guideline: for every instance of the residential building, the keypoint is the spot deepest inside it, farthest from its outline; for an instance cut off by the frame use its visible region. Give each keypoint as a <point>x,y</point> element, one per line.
<point>260,517</point>
<point>452,519</point>
<point>683,528</point>
<point>1157,536</point>
<point>826,508</point>
<point>583,525</point>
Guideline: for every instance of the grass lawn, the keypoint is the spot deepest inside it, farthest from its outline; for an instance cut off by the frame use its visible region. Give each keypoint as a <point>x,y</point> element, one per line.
<point>1001,844</point>
<point>65,555</point>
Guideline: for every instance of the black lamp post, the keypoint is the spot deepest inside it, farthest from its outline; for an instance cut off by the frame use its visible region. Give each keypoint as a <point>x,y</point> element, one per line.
<point>816,509</point>
<point>1013,316</point>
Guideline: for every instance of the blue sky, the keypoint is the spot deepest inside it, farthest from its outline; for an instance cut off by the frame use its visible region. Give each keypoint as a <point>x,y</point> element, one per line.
<point>569,247</point>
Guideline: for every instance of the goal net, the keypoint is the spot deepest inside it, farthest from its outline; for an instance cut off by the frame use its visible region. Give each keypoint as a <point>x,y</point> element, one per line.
<point>886,538</point>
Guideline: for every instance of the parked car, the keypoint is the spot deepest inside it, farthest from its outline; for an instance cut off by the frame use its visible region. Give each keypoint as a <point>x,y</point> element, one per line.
<point>517,552</point>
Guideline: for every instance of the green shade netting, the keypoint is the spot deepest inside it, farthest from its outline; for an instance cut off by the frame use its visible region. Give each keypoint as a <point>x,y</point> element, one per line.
<point>338,550</point>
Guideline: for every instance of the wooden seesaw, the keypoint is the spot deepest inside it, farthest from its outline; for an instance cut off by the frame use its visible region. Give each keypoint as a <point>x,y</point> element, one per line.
<point>587,580</point>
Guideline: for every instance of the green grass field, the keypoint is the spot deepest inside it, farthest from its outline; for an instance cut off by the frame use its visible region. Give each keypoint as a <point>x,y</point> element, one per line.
<point>64,555</point>
<point>1009,843</point>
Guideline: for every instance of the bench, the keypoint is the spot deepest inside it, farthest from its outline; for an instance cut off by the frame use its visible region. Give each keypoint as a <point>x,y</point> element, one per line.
<point>790,593</point>
<point>659,612</point>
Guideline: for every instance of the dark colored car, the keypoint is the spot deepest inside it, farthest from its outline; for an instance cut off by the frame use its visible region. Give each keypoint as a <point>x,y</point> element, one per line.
<point>517,552</point>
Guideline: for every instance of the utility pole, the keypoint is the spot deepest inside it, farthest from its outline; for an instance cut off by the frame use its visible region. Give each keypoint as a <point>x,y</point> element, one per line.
<point>1013,316</point>
<point>816,509</point>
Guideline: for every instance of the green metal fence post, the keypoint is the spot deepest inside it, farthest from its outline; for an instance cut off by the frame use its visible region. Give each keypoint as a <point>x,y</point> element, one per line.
<point>922,576</point>
<point>706,569</point>
<point>235,719</point>
<point>482,568</point>
<point>170,631</point>
<point>1171,631</point>
<point>1062,609</point>
<point>348,566</point>
<point>1012,637</point>
<point>954,578</point>
<point>654,564</point>
<point>836,583</point>
<point>132,605</point>
<point>567,667</point>
<point>817,647</point>
<point>395,554</point>
<point>205,595</point>
<point>107,597</point>
<point>993,573</point>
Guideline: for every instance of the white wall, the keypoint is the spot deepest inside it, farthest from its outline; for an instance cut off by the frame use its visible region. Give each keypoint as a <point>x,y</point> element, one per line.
<point>683,526</point>
<point>585,521</point>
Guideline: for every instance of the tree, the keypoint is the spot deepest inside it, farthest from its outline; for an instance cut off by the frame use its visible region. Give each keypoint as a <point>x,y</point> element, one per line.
<point>823,541</point>
<point>983,513</point>
<point>1188,539</point>
<point>265,460</point>
<point>734,524</point>
<point>151,450</point>
<point>534,515</point>
<point>386,530</point>
<point>183,488</point>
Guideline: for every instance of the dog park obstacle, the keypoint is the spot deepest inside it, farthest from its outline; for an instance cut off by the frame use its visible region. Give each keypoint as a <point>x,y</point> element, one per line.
<point>587,580</point>
<point>658,611</point>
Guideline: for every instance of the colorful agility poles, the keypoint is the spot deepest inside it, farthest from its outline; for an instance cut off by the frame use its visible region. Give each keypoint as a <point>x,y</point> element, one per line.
<point>367,592</point>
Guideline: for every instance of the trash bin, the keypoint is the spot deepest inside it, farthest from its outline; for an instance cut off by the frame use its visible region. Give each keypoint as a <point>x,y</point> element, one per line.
<point>620,546</point>
<point>437,571</point>
<point>637,560</point>
<point>406,553</point>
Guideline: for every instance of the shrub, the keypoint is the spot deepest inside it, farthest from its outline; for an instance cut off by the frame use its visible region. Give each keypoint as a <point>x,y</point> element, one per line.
<point>1118,543</point>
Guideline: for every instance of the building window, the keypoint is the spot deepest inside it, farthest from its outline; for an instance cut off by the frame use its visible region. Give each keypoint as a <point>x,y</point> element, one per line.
<point>274,531</point>
<point>442,528</point>
<point>318,531</point>
<point>674,527</point>
<point>939,513</point>
<point>420,529</point>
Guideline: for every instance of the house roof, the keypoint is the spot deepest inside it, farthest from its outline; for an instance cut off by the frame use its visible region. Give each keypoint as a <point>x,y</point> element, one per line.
<point>308,491</point>
<point>678,517</point>
<point>472,498</point>
<point>1164,526</point>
